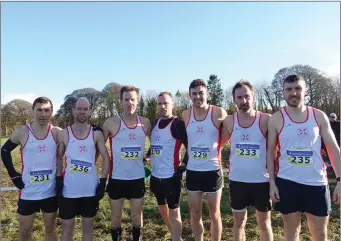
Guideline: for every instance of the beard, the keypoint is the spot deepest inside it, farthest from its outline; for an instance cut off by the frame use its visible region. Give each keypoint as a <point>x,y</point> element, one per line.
<point>244,107</point>
<point>293,101</point>
<point>81,119</point>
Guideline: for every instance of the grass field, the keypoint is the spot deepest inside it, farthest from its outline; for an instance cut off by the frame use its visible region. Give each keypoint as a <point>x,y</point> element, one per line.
<point>154,229</point>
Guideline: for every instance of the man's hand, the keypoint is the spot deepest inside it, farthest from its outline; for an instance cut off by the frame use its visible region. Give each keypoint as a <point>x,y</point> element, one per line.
<point>181,169</point>
<point>100,190</point>
<point>274,194</point>
<point>59,186</point>
<point>17,180</point>
<point>336,193</point>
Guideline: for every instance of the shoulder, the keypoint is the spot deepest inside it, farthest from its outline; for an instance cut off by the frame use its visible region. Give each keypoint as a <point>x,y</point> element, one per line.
<point>265,117</point>
<point>18,133</point>
<point>112,121</point>
<point>145,120</point>
<point>218,111</point>
<point>185,114</point>
<point>320,116</point>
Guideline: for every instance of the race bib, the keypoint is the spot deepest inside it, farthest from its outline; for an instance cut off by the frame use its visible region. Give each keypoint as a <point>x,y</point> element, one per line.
<point>43,176</point>
<point>247,150</point>
<point>300,157</point>
<point>82,167</point>
<point>200,153</point>
<point>130,153</point>
<point>156,150</point>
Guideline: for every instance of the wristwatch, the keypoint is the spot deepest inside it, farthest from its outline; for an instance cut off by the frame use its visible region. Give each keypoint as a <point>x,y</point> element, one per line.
<point>338,179</point>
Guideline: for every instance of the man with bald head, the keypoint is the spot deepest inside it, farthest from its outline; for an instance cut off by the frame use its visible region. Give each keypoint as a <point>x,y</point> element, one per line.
<point>78,188</point>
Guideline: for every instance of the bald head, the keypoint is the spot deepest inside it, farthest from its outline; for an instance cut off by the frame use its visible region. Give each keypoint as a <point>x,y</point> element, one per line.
<point>82,110</point>
<point>82,101</point>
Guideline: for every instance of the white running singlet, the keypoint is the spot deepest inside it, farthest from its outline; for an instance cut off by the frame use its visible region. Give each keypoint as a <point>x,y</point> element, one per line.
<point>248,152</point>
<point>203,143</point>
<point>80,178</point>
<point>127,152</point>
<point>300,151</point>
<point>165,151</point>
<point>38,159</point>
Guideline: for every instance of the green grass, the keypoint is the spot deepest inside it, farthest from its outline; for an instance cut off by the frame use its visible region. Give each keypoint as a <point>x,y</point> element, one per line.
<point>154,228</point>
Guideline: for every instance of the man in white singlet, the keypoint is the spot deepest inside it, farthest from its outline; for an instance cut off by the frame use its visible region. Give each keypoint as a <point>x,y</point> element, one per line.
<point>37,181</point>
<point>78,188</point>
<point>168,135</point>
<point>301,185</point>
<point>204,171</point>
<point>127,134</point>
<point>249,180</point>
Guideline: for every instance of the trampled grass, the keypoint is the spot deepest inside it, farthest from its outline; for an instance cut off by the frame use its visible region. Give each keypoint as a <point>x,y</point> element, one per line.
<point>154,228</point>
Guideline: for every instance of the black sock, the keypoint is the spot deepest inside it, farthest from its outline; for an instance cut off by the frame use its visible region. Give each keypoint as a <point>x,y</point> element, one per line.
<point>136,233</point>
<point>116,234</point>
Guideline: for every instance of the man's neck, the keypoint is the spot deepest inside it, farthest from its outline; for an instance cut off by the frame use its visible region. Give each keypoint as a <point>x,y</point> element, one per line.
<point>129,117</point>
<point>201,110</point>
<point>250,114</point>
<point>296,110</point>
<point>80,126</point>
<point>39,128</point>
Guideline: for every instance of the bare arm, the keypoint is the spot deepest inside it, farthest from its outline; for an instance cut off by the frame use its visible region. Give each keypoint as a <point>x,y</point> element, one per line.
<point>329,140</point>
<point>227,129</point>
<point>106,130</point>
<point>272,144</point>
<point>60,151</point>
<point>99,138</point>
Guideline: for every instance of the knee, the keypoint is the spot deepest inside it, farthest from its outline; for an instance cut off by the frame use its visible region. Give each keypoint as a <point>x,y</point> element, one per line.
<point>116,222</point>
<point>137,220</point>
<point>196,215</point>
<point>239,222</point>
<point>26,232</point>
<point>50,228</point>
<point>264,225</point>
<point>67,227</point>
<point>215,216</point>
<point>174,215</point>
<point>320,233</point>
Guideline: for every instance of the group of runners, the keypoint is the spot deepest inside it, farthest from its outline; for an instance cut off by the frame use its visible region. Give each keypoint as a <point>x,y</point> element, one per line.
<point>274,159</point>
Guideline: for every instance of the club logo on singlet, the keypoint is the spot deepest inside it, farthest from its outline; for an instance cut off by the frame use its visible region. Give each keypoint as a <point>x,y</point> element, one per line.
<point>200,129</point>
<point>244,137</point>
<point>302,132</point>
<point>42,148</point>
<point>132,136</point>
<point>41,176</point>
<point>300,155</point>
<point>82,149</point>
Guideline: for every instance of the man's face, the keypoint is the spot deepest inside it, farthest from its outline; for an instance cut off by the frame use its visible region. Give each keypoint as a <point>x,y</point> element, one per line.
<point>82,112</point>
<point>199,96</point>
<point>129,102</point>
<point>165,105</point>
<point>42,113</point>
<point>244,99</point>
<point>332,118</point>
<point>294,93</point>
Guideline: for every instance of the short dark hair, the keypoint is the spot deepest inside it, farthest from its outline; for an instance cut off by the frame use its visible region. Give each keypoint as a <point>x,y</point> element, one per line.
<point>42,100</point>
<point>293,78</point>
<point>165,93</point>
<point>196,83</point>
<point>240,84</point>
<point>128,88</point>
